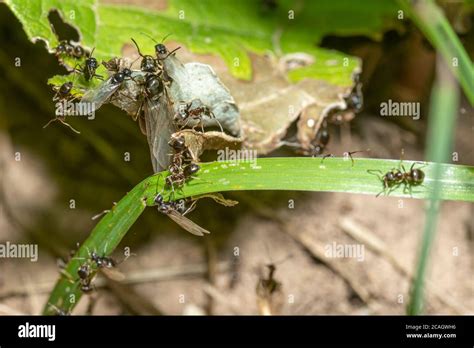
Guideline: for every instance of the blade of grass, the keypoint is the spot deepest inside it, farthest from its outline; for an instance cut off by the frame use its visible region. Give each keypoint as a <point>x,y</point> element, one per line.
<point>431,21</point>
<point>308,174</point>
<point>444,102</point>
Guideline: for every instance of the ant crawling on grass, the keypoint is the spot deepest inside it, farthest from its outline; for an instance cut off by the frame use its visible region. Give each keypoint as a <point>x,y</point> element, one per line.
<point>176,211</point>
<point>95,261</point>
<point>396,177</point>
<point>181,168</point>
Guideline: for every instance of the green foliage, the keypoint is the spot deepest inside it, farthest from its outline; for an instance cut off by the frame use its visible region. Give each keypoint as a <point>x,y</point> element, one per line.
<point>213,27</point>
<point>334,175</point>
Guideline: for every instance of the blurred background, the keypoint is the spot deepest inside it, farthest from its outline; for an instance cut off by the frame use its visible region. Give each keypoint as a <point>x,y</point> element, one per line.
<point>171,271</point>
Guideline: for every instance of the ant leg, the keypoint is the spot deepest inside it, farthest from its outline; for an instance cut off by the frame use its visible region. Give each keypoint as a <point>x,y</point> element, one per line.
<point>186,124</point>
<point>67,275</point>
<point>68,125</point>
<point>374,171</point>
<point>190,208</point>
<point>173,51</point>
<point>50,121</point>
<point>353,152</point>
<point>220,126</point>
<point>414,163</point>
<point>378,194</point>
<point>326,156</point>
<point>78,70</point>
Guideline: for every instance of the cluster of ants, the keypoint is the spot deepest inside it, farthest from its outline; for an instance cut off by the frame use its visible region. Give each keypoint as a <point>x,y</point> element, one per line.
<point>87,271</point>
<point>153,80</point>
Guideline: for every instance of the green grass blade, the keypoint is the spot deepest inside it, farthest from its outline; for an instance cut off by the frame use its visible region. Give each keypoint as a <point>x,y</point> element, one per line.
<point>104,238</point>
<point>444,103</point>
<point>431,21</point>
<point>297,173</point>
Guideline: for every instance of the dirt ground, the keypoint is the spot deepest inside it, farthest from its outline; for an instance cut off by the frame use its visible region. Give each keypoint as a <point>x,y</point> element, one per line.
<point>169,273</point>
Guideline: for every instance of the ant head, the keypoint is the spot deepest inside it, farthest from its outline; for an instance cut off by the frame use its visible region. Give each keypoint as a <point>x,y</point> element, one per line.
<point>161,50</point>
<point>66,86</point>
<point>191,169</point>
<point>178,143</point>
<point>148,64</point>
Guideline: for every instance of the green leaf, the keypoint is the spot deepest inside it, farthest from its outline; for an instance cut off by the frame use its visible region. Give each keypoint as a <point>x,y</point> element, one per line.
<point>33,15</point>
<point>230,29</point>
<point>304,174</point>
<point>442,122</point>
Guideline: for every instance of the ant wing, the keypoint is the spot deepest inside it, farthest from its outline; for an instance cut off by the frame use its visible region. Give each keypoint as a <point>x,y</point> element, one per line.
<point>187,224</point>
<point>175,69</point>
<point>159,127</point>
<point>98,96</point>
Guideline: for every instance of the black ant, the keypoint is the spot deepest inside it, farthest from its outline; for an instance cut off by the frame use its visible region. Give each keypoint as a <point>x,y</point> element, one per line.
<point>269,289</point>
<point>395,177</point>
<point>103,261</point>
<point>63,93</point>
<point>188,111</point>
<point>160,49</point>
<point>320,142</point>
<point>90,66</point>
<point>180,175</point>
<point>85,277</point>
<point>176,211</point>
<point>181,167</point>
<point>355,99</point>
<point>86,270</point>
<point>66,48</point>
<point>149,63</point>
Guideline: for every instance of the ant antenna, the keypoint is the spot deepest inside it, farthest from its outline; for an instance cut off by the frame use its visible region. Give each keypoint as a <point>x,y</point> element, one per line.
<point>138,48</point>
<point>170,53</point>
<point>164,38</point>
<point>326,156</point>
<point>150,37</point>
<point>353,152</point>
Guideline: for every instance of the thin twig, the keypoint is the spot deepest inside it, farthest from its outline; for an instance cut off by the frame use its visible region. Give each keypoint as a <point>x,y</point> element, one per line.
<point>136,277</point>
